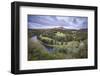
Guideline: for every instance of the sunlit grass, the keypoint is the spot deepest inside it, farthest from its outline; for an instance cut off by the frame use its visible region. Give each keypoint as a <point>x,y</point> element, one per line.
<point>60,34</point>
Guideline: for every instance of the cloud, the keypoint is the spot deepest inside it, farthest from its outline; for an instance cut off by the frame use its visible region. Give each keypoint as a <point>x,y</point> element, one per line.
<point>70,22</point>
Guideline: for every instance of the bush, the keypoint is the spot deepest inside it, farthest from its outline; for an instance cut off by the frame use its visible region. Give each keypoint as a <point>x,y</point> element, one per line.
<point>73,44</point>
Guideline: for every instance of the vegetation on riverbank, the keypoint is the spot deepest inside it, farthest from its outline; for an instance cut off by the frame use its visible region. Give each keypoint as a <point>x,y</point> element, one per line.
<point>66,44</point>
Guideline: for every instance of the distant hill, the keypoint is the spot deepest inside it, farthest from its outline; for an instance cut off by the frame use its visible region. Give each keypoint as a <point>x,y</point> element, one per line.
<point>84,29</point>
<point>62,28</point>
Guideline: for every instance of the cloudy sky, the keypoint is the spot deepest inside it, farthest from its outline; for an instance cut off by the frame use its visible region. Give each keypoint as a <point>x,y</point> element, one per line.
<point>68,22</point>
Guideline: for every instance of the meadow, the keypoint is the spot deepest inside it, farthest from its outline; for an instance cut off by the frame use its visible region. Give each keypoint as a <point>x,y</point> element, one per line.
<point>57,43</point>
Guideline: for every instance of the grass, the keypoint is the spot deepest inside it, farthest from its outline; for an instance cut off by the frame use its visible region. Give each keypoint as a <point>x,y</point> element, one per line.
<point>60,34</point>
<point>45,38</point>
<point>66,44</point>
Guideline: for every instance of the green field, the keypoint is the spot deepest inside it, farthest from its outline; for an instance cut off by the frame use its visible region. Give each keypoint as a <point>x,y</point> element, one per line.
<point>49,44</point>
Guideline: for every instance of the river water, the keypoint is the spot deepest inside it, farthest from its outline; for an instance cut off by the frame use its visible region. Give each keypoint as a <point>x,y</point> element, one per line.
<point>50,49</point>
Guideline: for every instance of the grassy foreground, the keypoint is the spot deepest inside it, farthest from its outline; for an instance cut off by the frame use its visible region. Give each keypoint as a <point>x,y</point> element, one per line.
<point>66,44</point>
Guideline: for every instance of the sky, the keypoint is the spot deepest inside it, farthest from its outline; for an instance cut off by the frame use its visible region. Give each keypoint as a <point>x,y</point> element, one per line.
<point>46,22</point>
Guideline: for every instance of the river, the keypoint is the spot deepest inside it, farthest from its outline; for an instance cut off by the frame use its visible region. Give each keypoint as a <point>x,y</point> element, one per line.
<point>50,49</point>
